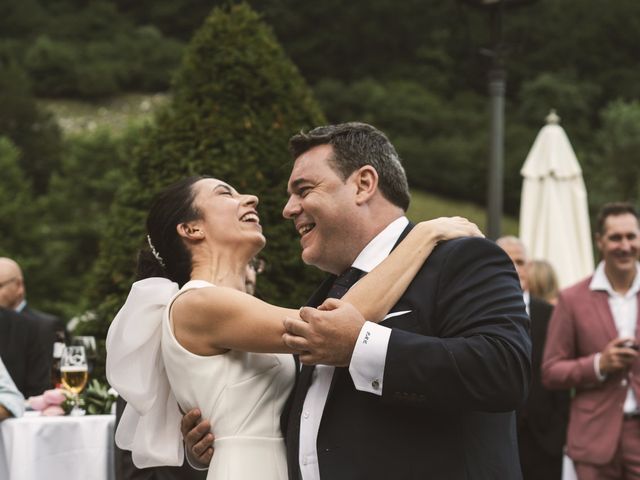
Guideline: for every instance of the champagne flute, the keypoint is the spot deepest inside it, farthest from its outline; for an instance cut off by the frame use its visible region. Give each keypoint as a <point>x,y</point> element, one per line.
<point>74,370</point>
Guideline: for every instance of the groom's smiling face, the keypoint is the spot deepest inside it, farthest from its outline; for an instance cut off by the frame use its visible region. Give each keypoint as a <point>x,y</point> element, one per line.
<point>323,208</point>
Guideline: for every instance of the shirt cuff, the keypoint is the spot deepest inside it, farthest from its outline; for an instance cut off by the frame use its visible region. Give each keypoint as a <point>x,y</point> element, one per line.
<point>596,367</point>
<point>369,358</point>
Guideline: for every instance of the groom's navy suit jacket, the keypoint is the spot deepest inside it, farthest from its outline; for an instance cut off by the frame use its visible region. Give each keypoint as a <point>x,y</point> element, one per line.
<point>457,367</point>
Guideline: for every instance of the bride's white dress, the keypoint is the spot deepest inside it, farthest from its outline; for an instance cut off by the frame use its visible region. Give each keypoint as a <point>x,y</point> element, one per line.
<point>242,394</point>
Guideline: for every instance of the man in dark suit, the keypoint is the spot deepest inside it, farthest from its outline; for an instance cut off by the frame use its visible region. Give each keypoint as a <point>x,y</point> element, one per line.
<point>431,391</point>
<point>22,352</point>
<point>49,328</point>
<point>542,420</point>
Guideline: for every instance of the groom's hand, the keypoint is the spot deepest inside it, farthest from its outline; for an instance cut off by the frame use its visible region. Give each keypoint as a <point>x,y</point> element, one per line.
<point>326,335</point>
<point>198,438</point>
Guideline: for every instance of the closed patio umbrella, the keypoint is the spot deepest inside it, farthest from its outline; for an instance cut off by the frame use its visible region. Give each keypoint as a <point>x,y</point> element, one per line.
<point>554,216</point>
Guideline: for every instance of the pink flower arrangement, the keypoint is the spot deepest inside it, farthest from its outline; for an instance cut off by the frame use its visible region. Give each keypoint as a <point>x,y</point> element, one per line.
<point>52,402</point>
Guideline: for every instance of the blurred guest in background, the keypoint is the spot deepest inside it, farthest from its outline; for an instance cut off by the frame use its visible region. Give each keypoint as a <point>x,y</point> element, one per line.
<point>543,281</point>
<point>13,295</point>
<point>254,268</point>
<point>542,420</point>
<point>25,356</point>
<point>593,348</point>
<point>11,400</point>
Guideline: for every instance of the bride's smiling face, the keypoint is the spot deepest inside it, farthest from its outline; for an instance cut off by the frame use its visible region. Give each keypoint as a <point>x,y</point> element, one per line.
<point>228,218</point>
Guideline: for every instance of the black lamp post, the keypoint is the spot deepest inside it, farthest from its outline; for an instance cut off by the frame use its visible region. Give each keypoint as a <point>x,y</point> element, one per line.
<point>497,89</point>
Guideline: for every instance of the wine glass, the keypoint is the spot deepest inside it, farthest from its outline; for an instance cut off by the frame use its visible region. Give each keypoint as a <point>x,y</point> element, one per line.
<point>74,370</point>
<point>90,350</point>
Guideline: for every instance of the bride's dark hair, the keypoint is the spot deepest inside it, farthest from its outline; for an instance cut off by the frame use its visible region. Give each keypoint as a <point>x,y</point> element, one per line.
<point>171,259</point>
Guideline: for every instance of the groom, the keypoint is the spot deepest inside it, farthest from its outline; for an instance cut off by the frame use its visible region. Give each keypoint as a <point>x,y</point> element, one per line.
<point>430,391</point>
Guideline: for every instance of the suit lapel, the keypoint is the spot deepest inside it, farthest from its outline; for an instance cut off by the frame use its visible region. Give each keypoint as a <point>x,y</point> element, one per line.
<point>601,301</point>
<point>638,315</point>
<point>404,233</point>
<point>320,295</point>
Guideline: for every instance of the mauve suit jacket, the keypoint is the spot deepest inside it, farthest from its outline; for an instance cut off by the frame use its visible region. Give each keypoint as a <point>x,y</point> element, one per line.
<point>581,326</point>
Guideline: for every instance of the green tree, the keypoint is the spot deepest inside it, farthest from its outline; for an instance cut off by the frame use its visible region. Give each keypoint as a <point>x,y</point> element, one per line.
<point>575,100</point>
<point>75,214</point>
<point>237,99</point>
<point>15,196</point>
<point>616,170</point>
<point>34,131</point>
<point>22,232</point>
<point>52,64</point>
<point>439,140</point>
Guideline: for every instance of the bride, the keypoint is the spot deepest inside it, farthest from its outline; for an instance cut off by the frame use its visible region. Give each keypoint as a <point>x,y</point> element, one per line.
<point>188,335</point>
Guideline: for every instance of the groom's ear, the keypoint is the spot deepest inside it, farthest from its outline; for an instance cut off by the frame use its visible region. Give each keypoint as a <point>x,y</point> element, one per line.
<point>366,183</point>
<point>190,231</point>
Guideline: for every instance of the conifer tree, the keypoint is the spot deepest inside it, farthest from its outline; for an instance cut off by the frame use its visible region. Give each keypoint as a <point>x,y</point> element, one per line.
<point>237,99</point>
<point>22,233</point>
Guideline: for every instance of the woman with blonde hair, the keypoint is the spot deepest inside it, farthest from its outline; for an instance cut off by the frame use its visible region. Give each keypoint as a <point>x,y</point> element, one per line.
<point>543,282</point>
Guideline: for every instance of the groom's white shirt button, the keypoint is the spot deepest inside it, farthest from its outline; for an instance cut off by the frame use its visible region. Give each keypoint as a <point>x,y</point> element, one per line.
<point>367,361</point>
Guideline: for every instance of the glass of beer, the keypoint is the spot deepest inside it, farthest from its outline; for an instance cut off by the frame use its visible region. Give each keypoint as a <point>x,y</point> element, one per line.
<point>90,350</point>
<point>74,369</point>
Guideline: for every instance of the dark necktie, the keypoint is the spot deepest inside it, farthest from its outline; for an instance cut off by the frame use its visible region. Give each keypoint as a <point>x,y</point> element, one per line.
<point>344,282</point>
<point>340,286</point>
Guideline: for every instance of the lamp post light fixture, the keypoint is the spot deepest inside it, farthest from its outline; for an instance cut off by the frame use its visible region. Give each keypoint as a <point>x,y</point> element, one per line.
<point>497,89</point>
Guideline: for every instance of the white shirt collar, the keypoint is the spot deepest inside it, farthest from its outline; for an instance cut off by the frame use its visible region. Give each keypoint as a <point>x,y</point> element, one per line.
<point>379,248</point>
<point>526,296</point>
<point>601,282</point>
<point>21,306</point>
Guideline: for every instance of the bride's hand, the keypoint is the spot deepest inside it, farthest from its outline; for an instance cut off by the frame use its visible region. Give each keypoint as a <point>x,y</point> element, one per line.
<point>448,228</point>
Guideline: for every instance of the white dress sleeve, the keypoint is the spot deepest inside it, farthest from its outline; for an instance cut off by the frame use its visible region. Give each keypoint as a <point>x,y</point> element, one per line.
<point>150,424</point>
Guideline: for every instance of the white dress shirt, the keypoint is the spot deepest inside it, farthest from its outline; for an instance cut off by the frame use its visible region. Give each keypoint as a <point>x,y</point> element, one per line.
<point>21,306</point>
<point>367,361</point>
<point>526,296</point>
<point>624,309</point>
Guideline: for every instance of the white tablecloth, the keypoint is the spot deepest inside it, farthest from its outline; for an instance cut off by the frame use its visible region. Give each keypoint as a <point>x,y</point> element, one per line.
<point>57,448</point>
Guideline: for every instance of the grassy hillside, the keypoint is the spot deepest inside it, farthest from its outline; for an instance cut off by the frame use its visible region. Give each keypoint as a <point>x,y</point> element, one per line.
<point>116,114</point>
<point>425,206</point>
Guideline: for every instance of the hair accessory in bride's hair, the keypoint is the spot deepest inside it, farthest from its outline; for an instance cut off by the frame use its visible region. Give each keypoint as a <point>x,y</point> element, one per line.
<point>155,252</point>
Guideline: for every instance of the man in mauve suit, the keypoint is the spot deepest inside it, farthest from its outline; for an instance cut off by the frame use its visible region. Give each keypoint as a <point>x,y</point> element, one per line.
<point>542,420</point>
<point>592,347</point>
<point>431,391</point>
